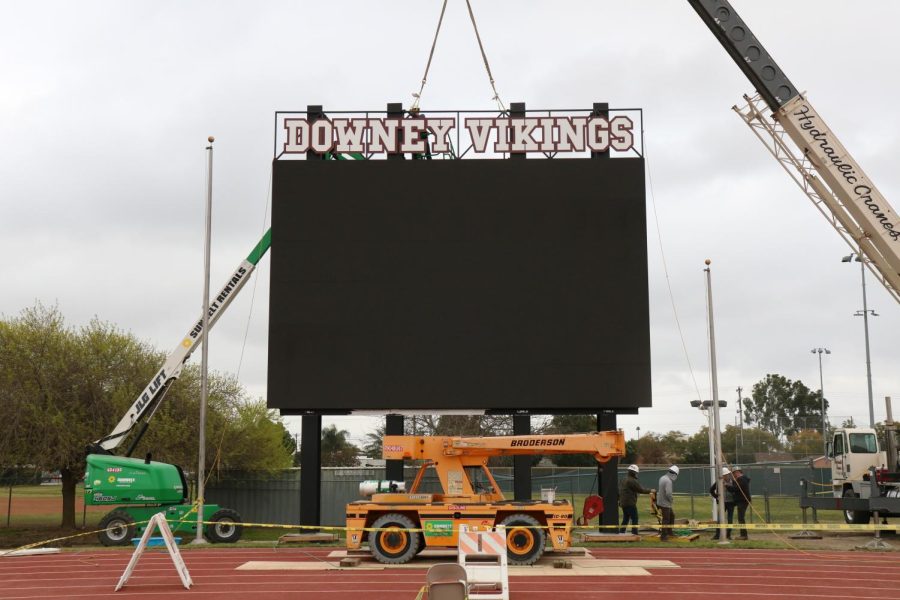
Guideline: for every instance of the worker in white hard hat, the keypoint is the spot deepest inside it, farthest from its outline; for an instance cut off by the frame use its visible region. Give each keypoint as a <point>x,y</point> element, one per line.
<point>740,489</point>
<point>729,501</point>
<point>629,489</point>
<point>665,500</point>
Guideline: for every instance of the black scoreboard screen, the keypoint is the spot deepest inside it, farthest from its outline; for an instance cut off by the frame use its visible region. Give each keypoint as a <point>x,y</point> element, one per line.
<point>498,285</point>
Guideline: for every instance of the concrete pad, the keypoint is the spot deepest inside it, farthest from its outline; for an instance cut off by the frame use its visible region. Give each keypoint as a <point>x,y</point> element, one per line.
<point>541,569</point>
<point>30,552</point>
<point>615,562</point>
<point>296,565</point>
<point>584,565</point>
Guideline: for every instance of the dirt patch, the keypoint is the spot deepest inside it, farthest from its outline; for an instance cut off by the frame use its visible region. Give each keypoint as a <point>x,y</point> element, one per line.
<point>28,506</point>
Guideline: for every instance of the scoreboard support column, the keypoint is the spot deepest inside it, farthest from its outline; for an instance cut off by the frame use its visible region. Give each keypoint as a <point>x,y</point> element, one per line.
<point>310,469</point>
<point>393,425</point>
<point>522,464</point>
<point>608,476</point>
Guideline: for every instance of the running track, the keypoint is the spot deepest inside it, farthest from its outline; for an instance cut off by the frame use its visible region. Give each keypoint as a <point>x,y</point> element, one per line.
<point>710,573</point>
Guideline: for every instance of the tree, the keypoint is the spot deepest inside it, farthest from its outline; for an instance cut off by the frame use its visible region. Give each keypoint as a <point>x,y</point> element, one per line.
<point>696,450</point>
<point>452,425</point>
<point>755,440</point>
<point>649,450</point>
<point>63,387</point>
<point>806,442</point>
<point>337,451</point>
<point>782,406</point>
<point>374,442</point>
<point>562,424</point>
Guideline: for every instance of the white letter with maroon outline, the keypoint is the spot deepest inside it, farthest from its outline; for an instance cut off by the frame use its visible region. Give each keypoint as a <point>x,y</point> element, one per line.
<point>412,138</point>
<point>350,135</point>
<point>598,134</point>
<point>321,135</point>
<point>384,135</point>
<point>441,128</point>
<point>622,136</point>
<point>522,140</point>
<point>479,131</point>
<point>297,136</point>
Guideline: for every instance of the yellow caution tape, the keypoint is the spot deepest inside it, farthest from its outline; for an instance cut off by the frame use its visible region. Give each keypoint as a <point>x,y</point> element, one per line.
<point>700,527</point>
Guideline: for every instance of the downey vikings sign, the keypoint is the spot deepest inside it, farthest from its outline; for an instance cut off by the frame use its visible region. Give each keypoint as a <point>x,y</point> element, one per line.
<point>500,135</point>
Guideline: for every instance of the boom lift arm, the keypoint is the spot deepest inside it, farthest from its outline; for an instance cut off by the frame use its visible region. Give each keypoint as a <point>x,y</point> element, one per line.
<point>818,163</point>
<point>148,401</point>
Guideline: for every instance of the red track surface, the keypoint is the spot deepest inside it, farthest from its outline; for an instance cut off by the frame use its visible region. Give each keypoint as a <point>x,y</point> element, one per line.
<point>732,574</point>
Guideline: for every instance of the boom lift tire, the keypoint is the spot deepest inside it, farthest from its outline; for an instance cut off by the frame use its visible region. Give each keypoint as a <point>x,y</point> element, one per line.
<point>225,527</point>
<point>397,546</point>
<point>525,539</point>
<point>855,517</point>
<point>123,528</point>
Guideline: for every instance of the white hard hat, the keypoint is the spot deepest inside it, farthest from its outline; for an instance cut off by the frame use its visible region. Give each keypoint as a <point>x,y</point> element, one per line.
<point>737,468</point>
<point>634,468</point>
<point>674,469</point>
<point>725,471</point>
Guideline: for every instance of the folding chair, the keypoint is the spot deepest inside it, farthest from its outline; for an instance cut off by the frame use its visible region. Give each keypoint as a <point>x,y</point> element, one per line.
<point>446,581</point>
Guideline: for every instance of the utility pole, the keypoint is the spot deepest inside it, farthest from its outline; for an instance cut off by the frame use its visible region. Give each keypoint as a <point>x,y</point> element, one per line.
<point>717,438</point>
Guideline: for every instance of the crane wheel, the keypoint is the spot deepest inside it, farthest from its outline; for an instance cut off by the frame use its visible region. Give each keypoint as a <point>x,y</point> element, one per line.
<point>525,539</point>
<point>396,544</point>
<point>225,527</point>
<point>119,528</point>
<point>855,517</point>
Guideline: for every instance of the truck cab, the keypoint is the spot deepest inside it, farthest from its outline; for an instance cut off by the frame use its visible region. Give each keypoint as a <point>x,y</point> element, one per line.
<point>853,451</point>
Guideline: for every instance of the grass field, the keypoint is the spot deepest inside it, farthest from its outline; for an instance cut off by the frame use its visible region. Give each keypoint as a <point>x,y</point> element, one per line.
<point>37,512</point>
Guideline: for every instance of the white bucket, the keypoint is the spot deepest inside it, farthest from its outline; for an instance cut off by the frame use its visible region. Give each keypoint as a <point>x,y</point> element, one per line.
<point>548,494</point>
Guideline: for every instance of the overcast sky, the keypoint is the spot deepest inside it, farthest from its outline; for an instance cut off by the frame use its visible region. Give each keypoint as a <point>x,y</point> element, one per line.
<point>105,108</point>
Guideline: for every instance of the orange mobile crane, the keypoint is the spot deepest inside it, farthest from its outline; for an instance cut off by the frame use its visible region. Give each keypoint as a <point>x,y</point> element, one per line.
<point>405,523</point>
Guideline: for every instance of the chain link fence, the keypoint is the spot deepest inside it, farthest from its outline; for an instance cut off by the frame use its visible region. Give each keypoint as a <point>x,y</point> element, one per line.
<point>276,498</point>
<point>29,498</point>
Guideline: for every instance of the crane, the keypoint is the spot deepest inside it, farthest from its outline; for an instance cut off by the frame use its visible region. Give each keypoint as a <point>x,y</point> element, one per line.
<point>408,522</point>
<point>797,136</point>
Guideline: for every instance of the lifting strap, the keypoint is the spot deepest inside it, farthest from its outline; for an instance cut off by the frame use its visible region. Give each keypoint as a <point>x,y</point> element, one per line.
<point>414,108</point>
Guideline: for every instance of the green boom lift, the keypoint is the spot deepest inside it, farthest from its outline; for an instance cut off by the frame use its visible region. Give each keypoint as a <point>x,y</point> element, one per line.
<point>141,487</point>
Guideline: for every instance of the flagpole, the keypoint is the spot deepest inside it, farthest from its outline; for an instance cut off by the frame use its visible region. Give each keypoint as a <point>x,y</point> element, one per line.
<point>204,340</point>
<point>717,431</point>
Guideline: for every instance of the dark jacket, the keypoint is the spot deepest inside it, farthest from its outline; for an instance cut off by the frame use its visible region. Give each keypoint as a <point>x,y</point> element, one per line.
<point>629,488</point>
<point>740,489</point>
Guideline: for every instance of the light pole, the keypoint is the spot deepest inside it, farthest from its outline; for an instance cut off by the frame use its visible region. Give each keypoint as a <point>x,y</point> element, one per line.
<point>819,351</point>
<point>639,431</point>
<point>864,313</point>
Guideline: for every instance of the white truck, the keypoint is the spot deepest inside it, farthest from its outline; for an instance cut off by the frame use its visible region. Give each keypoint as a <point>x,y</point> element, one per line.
<point>865,477</point>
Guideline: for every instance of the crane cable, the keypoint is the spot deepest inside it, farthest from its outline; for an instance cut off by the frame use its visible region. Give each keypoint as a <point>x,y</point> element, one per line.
<point>418,96</point>
<point>487,65</point>
<point>414,108</point>
<point>665,266</point>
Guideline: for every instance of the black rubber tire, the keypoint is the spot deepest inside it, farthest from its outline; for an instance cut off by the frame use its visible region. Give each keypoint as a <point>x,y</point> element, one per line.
<point>421,545</point>
<point>855,517</point>
<point>526,545</point>
<point>124,524</point>
<point>225,527</point>
<point>392,548</point>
